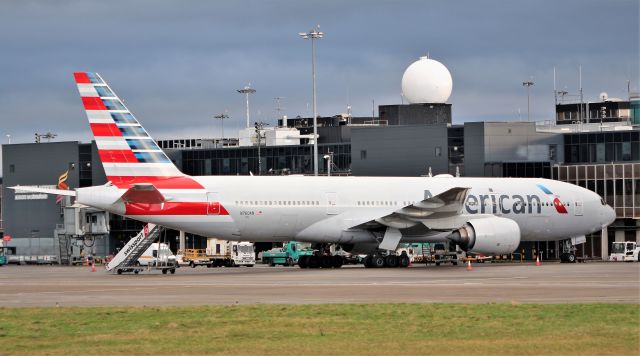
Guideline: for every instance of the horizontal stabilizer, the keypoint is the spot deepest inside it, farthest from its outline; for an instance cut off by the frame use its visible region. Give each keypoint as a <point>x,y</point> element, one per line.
<point>145,193</point>
<point>30,189</point>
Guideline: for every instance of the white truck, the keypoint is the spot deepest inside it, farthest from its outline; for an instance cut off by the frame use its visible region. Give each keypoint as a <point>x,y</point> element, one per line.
<point>230,253</point>
<point>627,251</point>
<point>225,253</point>
<point>157,254</point>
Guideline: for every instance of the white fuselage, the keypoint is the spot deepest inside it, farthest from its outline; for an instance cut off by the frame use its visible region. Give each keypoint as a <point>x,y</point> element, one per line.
<point>326,209</point>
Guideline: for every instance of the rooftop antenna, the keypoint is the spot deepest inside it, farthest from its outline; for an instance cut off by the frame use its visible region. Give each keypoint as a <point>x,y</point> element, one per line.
<point>430,174</point>
<point>373,109</point>
<point>555,88</point>
<point>580,112</point>
<point>279,108</point>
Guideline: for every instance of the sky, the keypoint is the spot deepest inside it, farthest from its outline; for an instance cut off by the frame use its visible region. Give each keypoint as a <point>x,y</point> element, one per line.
<point>176,64</point>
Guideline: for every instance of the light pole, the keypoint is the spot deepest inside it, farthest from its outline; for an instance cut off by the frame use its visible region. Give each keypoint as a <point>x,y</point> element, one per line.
<point>313,35</point>
<point>528,84</point>
<point>259,126</point>
<point>329,158</point>
<point>246,91</point>
<point>9,138</point>
<point>222,117</point>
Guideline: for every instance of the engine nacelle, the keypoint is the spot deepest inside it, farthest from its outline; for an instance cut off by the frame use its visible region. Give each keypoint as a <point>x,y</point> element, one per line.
<point>492,236</point>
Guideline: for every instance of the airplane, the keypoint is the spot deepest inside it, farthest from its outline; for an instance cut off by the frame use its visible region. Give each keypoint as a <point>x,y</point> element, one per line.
<point>365,215</point>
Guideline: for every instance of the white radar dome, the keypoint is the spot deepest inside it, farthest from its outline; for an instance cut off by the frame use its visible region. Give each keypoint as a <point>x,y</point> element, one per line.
<point>426,81</point>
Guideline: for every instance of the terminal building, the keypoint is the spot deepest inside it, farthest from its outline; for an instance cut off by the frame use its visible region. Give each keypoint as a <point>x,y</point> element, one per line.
<point>413,139</point>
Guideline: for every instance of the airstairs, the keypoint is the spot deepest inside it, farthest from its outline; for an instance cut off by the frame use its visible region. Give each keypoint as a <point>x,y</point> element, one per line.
<point>126,260</point>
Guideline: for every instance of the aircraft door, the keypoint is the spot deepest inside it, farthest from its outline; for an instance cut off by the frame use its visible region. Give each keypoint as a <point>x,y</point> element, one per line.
<point>578,207</point>
<point>213,203</point>
<point>332,203</point>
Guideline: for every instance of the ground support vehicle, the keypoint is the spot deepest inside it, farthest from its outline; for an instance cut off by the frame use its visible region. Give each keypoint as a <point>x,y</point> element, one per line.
<point>3,257</point>
<point>477,257</point>
<point>442,254</point>
<point>627,251</point>
<point>223,253</point>
<point>194,257</point>
<point>5,252</point>
<point>287,255</point>
<point>127,260</point>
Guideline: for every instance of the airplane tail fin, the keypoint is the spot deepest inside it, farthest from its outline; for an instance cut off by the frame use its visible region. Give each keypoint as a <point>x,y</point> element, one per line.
<point>127,152</point>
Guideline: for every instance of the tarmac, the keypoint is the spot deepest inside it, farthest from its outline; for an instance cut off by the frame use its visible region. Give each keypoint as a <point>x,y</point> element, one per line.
<point>594,282</point>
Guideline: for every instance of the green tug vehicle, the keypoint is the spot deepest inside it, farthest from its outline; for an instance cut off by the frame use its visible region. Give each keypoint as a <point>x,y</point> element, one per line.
<point>287,255</point>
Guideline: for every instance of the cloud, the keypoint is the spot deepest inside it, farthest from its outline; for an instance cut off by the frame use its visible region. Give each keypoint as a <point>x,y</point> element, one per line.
<point>176,64</point>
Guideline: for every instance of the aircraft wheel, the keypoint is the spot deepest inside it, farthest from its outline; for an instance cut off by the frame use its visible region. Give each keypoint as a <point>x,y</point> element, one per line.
<point>164,271</point>
<point>571,258</point>
<point>119,271</point>
<point>367,262</point>
<point>173,271</point>
<point>313,262</point>
<point>391,261</point>
<point>403,261</point>
<point>192,264</point>
<point>326,261</point>
<point>377,261</point>
<point>302,262</point>
<point>136,271</point>
<point>337,261</point>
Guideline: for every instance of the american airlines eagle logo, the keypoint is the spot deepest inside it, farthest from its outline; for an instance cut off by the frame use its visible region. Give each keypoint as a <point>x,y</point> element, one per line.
<point>62,185</point>
<point>560,208</point>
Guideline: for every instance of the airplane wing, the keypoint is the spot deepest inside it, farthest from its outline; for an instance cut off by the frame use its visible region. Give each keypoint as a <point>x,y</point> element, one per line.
<point>444,205</point>
<point>434,213</point>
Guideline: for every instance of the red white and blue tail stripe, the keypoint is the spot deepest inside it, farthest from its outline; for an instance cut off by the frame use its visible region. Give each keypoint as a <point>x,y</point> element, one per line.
<point>128,154</point>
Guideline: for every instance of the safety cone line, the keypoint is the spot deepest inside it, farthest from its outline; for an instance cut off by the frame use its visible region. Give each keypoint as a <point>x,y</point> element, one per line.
<point>538,261</point>
<point>469,268</point>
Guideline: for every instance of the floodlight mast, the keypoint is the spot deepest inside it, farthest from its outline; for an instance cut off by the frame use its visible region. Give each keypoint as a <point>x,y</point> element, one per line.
<point>246,91</point>
<point>222,117</point>
<point>313,35</point>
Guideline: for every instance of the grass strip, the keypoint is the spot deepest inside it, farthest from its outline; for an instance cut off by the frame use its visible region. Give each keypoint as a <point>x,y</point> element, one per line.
<point>325,329</point>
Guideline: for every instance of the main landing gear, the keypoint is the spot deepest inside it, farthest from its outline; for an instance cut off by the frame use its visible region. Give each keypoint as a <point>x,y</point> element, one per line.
<point>380,260</point>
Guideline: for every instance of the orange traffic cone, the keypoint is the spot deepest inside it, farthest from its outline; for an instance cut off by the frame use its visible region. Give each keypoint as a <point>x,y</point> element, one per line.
<point>469,266</point>
<point>538,261</point>
<point>93,266</point>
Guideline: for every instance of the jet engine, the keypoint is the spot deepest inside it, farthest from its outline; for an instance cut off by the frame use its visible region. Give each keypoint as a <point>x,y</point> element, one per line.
<point>491,235</point>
